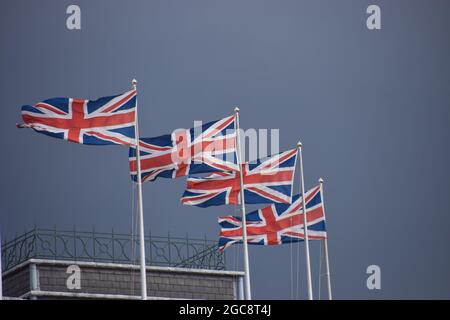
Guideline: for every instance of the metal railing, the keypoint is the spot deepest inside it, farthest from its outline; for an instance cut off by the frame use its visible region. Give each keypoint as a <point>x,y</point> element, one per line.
<point>111,247</point>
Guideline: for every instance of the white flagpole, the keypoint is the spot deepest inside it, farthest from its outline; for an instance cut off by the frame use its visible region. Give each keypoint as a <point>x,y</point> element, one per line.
<point>302,186</point>
<point>248,294</point>
<point>325,241</point>
<point>140,206</point>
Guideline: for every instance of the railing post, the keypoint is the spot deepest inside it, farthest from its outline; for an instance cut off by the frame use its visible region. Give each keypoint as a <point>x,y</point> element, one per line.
<point>187,246</point>
<point>15,247</point>
<point>150,244</point>
<point>54,242</point>
<point>148,258</point>
<point>206,248</point>
<point>75,243</point>
<point>224,258</point>
<point>112,242</point>
<point>35,242</point>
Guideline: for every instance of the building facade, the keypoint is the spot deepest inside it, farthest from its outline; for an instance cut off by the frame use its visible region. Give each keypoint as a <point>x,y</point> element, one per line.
<point>52,264</point>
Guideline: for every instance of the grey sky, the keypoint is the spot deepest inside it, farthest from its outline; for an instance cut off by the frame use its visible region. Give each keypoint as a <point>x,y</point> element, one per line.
<point>371,107</point>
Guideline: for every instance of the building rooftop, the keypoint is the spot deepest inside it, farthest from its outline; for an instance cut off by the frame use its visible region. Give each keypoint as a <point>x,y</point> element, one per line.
<point>112,247</point>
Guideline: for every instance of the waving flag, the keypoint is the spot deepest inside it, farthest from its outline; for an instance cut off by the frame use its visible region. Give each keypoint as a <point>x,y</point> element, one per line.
<point>265,181</point>
<point>108,120</point>
<point>206,148</point>
<point>277,223</point>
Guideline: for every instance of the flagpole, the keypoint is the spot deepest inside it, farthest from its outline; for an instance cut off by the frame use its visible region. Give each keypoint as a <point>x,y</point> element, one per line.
<point>325,241</point>
<point>140,206</point>
<point>302,186</point>
<point>248,294</point>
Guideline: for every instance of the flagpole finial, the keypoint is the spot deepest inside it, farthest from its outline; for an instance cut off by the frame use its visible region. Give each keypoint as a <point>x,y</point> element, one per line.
<point>236,109</point>
<point>299,145</point>
<point>134,83</point>
<point>320,180</point>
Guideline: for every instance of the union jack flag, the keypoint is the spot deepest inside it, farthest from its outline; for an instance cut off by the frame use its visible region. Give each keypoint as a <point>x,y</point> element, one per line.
<point>266,181</point>
<point>202,149</point>
<point>278,223</point>
<point>108,120</point>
